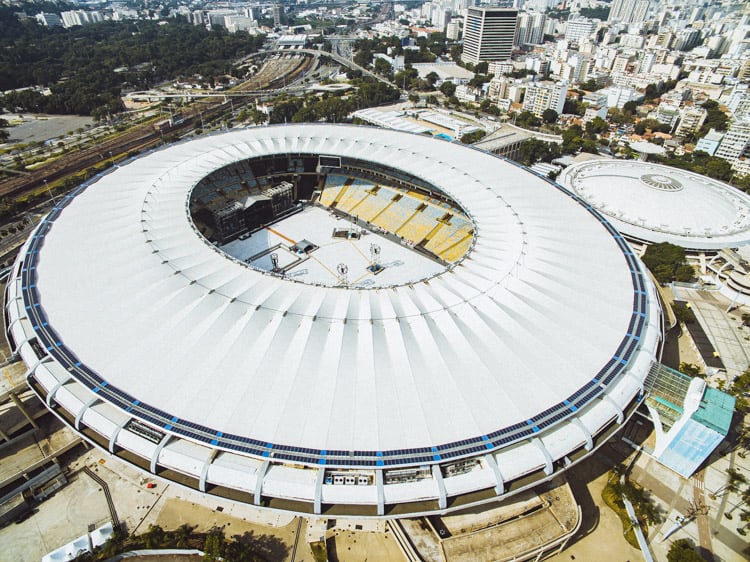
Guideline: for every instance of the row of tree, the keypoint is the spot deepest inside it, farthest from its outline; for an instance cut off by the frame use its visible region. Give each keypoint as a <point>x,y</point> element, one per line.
<point>574,139</point>
<point>247,547</point>
<point>332,108</point>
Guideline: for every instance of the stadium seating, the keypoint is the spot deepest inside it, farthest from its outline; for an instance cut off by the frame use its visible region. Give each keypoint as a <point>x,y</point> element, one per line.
<point>411,215</point>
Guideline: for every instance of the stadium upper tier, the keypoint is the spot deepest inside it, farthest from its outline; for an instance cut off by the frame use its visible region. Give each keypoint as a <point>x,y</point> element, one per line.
<point>653,203</point>
<point>443,391</point>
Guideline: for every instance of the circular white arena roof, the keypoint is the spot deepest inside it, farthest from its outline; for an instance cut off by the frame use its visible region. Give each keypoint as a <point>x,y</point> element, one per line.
<point>548,318</point>
<point>656,203</point>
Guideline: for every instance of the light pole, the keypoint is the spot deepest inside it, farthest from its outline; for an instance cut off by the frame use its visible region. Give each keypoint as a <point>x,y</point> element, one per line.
<point>49,189</point>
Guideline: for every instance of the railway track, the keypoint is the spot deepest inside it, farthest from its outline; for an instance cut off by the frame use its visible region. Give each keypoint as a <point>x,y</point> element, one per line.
<point>144,137</point>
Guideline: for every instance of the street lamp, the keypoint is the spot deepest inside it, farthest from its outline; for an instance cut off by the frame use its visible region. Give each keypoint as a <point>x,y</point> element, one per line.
<point>49,189</point>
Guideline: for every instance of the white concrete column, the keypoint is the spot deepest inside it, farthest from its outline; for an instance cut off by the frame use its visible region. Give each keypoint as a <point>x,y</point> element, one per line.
<point>442,495</point>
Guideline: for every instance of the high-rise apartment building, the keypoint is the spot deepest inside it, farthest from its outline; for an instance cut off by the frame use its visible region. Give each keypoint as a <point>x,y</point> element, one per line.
<point>453,31</point>
<point>489,34</point>
<point>545,95</point>
<point>628,11</point>
<point>530,30</point>
<point>736,142</point>
<point>579,29</point>
<point>691,120</point>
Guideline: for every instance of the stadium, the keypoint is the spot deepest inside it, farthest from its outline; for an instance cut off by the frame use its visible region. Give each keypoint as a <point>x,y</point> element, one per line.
<point>334,320</point>
<point>650,203</point>
<point>653,203</point>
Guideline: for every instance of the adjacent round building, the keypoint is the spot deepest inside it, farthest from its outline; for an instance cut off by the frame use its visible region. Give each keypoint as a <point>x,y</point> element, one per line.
<point>334,320</point>
<point>654,203</point>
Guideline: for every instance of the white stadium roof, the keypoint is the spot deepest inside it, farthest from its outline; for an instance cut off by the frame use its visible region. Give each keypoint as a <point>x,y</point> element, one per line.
<point>538,338</point>
<point>656,203</point>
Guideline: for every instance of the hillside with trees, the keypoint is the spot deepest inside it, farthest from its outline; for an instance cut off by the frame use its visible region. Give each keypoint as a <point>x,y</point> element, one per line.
<point>86,68</point>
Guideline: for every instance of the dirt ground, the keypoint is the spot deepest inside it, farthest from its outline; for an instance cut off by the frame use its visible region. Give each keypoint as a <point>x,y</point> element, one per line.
<point>36,128</point>
<point>352,546</point>
<point>600,537</point>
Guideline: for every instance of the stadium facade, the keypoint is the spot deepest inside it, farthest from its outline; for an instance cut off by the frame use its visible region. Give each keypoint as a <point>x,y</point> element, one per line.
<point>514,360</point>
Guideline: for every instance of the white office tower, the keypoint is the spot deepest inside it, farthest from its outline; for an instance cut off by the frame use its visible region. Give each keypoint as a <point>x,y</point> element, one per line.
<point>489,34</point>
<point>545,95</point>
<point>579,29</point>
<point>628,11</point>
<point>530,28</point>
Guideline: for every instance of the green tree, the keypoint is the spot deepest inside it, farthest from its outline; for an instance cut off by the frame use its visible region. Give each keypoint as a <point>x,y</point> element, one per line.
<point>739,388</point>
<point>481,67</point>
<point>650,124</point>
<point>572,139</point>
<point>591,85</point>
<point>690,369</point>
<point>214,546</point>
<point>384,68</point>
<point>682,551</point>
<point>182,535</point>
<point>595,127</point>
<point>527,120</point>
<point>448,89</point>
<point>664,259</point>
<point>718,168</point>
<point>535,150</point>
<point>470,138</point>
<point>153,537</point>
<point>549,115</point>
<point>682,312</point>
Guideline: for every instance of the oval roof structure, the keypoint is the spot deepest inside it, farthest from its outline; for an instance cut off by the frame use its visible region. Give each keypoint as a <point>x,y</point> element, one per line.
<point>656,203</point>
<point>546,327</point>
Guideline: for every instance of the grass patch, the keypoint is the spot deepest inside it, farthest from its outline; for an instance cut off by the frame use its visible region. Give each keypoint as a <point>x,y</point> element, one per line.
<point>614,501</point>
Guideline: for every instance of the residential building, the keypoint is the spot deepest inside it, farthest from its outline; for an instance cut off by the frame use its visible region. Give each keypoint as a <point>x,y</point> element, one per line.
<point>686,39</point>
<point>667,114</point>
<point>736,142</point>
<point>579,29</point>
<point>710,142</point>
<point>618,97</point>
<point>594,111</point>
<point>489,34</point>
<point>48,20</point>
<point>691,120</point>
<point>453,31</point>
<point>236,23</point>
<point>628,11</point>
<point>498,68</point>
<point>530,28</point>
<point>545,95</point>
